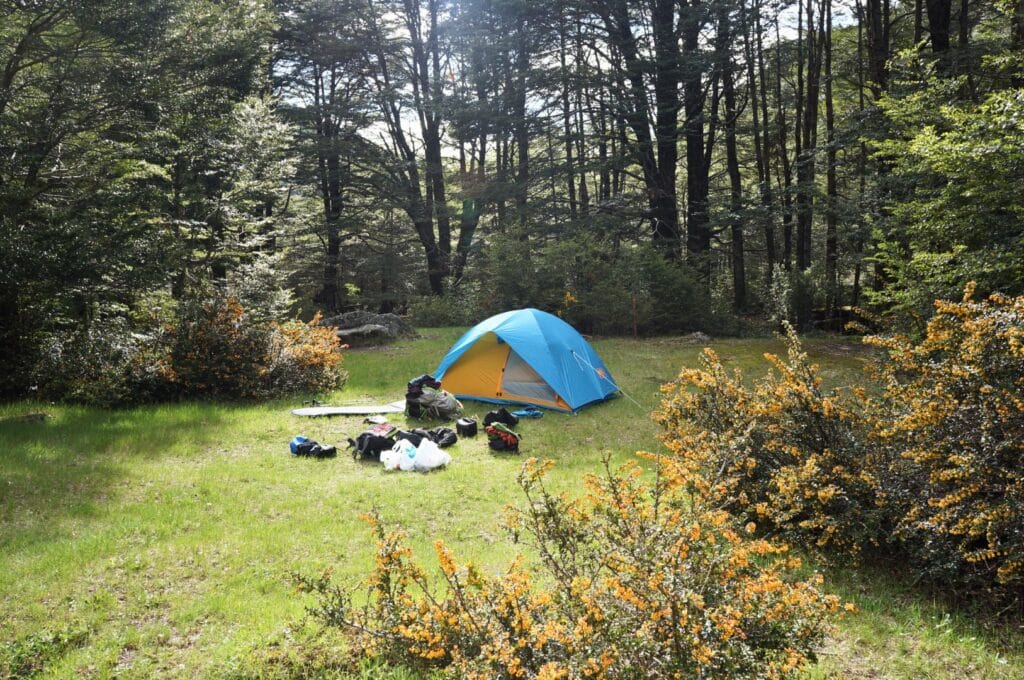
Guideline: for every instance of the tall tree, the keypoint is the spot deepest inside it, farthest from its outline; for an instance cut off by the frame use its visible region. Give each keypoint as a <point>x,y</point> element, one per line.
<point>735,219</point>
<point>698,228</point>
<point>831,181</point>
<point>815,37</point>
<point>649,58</point>
<point>320,66</point>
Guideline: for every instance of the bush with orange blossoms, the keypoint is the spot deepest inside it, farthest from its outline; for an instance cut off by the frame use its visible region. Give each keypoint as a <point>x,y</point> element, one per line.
<point>931,466</point>
<point>784,452</point>
<point>953,416</point>
<point>633,579</point>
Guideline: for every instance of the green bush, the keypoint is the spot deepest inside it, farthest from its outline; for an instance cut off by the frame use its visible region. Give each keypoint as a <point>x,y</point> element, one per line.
<point>636,289</point>
<point>304,357</point>
<point>106,364</point>
<point>200,348</point>
<point>457,307</point>
<point>218,351</point>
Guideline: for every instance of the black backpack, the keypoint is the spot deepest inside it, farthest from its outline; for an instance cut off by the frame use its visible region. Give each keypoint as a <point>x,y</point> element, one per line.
<point>371,443</point>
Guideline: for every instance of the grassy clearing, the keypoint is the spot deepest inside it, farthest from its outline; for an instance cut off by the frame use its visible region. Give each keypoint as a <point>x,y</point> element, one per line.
<point>158,541</point>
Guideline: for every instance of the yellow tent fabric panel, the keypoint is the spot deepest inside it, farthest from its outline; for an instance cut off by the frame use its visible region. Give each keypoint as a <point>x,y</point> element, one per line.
<point>478,370</point>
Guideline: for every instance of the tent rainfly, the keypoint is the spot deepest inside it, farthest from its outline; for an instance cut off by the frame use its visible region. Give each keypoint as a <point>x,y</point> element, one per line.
<point>526,356</point>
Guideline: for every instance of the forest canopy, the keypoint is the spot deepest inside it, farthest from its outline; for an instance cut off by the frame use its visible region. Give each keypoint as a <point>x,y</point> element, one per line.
<point>636,166</point>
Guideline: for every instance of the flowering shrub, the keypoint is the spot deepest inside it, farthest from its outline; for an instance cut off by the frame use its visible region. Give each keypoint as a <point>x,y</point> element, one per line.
<point>953,413</point>
<point>208,348</point>
<point>219,352</point>
<point>636,576</point>
<point>104,364</point>
<point>304,357</point>
<point>931,466</point>
<point>783,453</point>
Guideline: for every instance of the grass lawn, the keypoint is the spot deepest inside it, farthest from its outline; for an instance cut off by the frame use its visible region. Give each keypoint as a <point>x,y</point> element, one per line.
<point>159,541</point>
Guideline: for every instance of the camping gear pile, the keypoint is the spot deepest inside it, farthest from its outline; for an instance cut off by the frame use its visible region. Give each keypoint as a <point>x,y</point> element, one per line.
<point>424,398</point>
<point>525,357</point>
<point>416,449</point>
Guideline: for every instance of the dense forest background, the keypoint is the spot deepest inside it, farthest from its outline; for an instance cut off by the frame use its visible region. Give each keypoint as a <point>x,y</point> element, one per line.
<point>636,166</point>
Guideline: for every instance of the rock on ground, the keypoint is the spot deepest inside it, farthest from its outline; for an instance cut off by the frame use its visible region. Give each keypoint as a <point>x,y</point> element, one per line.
<point>361,327</point>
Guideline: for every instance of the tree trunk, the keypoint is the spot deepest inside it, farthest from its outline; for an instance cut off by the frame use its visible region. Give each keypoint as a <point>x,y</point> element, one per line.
<point>831,227</point>
<point>806,158</point>
<point>657,155</point>
<point>878,45</point>
<point>938,12</point>
<point>698,231</point>
<point>761,141</point>
<point>520,128</point>
<point>329,166</point>
<point>570,174</point>
<point>739,275</point>
<point>787,169</point>
<point>1017,26</point>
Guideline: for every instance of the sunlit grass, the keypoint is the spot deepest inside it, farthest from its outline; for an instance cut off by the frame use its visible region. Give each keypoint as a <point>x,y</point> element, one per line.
<point>159,541</point>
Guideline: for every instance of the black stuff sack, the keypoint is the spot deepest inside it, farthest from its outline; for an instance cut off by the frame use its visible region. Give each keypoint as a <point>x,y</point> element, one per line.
<point>416,385</point>
<point>466,427</point>
<point>502,416</point>
<point>414,394</point>
<point>371,443</point>
<point>442,436</point>
<point>414,437</point>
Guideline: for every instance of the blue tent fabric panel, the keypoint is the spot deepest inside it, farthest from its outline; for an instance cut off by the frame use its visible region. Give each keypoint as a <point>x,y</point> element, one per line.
<point>551,347</point>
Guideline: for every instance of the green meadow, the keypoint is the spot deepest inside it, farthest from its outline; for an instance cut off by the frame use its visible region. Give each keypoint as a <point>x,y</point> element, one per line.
<point>160,541</point>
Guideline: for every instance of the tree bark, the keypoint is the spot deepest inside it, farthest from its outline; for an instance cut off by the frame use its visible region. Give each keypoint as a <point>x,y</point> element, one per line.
<point>739,275</point>
<point>878,45</point>
<point>567,137</point>
<point>831,226</point>
<point>806,157</point>
<point>698,231</point>
<point>761,140</point>
<point>787,169</point>
<point>939,12</point>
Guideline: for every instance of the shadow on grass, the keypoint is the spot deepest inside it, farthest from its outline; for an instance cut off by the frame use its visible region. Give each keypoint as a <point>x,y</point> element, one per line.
<point>905,627</point>
<point>67,466</point>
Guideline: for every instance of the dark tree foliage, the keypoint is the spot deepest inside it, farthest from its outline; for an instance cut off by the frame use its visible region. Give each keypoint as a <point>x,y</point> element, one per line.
<point>452,158</point>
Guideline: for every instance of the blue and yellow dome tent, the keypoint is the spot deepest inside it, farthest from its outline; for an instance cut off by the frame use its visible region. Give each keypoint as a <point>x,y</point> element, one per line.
<point>526,356</point>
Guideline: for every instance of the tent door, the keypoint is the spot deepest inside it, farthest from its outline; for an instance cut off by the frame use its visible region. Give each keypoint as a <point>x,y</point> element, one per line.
<point>519,380</point>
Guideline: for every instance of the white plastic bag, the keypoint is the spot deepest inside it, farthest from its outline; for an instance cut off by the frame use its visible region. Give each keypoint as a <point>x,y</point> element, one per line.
<point>400,457</point>
<point>428,457</point>
<point>390,459</point>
